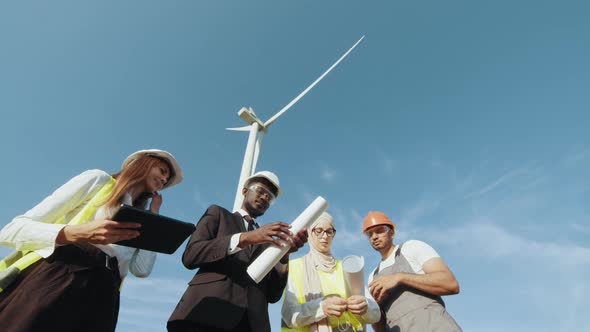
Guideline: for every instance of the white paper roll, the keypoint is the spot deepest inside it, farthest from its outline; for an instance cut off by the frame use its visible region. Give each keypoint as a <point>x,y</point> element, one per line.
<point>353,267</point>
<point>271,255</point>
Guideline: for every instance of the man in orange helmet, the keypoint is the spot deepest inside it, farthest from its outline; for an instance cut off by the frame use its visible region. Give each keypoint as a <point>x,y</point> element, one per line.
<point>409,281</point>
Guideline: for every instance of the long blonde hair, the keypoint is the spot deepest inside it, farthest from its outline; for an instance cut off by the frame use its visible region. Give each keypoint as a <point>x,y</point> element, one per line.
<point>130,176</point>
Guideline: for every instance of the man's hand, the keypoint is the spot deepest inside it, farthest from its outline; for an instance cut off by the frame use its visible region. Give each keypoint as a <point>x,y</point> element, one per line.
<point>357,305</point>
<point>274,232</point>
<point>298,241</point>
<point>156,202</point>
<point>98,232</point>
<point>380,286</point>
<point>334,305</point>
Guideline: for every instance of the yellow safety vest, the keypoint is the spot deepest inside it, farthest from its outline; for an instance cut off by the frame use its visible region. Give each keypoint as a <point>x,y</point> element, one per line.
<point>331,283</point>
<point>13,264</point>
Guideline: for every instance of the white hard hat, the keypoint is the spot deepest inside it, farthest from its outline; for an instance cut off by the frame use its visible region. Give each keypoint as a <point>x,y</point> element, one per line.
<point>270,176</point>
<point>176,171</point>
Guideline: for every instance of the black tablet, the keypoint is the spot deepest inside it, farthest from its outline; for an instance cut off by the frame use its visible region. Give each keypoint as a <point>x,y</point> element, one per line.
<point>157,232</point>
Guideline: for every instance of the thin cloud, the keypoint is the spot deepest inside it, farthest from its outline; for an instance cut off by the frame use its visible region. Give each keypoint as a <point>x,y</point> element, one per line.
<point>575,158</point>
<point>307,194</point>
<point>436,162</point>
<point>154,290</point>
<point>344,222</point>
<point>487,240</point>
<point>527,177</point>
<point>580,228</point>
<point>327,173</point>
<point>495,183</point>
<point>387,163</point>
<point>198,199</point>
<point>147,303</point>
<point>356,216</point>
<point>421,209</point>
<point>141,312</point>
<point>308,197</point>
<point>143,319</point>
<point>578,291</point>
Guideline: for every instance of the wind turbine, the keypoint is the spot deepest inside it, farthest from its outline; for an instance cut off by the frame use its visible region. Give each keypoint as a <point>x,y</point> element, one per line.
<point>257,129</point>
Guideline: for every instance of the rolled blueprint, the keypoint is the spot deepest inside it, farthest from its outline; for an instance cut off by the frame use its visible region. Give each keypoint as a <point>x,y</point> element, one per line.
<point>354,274</point>
<point>271,255</point>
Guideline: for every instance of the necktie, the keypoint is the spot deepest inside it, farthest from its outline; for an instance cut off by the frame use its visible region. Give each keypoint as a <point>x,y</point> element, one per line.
<point>251,223</point>
<point>251,226</point>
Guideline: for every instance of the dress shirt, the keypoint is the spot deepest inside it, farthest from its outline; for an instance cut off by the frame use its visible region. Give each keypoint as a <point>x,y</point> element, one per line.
<point>235,239</point>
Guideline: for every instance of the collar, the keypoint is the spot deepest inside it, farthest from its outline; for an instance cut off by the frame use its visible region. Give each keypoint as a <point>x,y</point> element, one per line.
<point>243,213</point>
<point>392,255</point>
<point>127,198</point>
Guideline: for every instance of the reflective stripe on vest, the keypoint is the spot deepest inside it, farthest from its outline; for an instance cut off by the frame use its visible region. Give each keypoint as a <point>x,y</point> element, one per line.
<point>13,264</point>
<point>331,283</point>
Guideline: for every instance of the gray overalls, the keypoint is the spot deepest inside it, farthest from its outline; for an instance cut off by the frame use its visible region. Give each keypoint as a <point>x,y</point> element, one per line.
<point>407,309</point>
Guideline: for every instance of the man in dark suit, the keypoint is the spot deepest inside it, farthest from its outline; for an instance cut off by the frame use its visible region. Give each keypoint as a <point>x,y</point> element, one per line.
<point>222,296</point>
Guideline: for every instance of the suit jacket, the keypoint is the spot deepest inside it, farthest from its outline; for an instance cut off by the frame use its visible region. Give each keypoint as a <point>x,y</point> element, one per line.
<point>222,292</point>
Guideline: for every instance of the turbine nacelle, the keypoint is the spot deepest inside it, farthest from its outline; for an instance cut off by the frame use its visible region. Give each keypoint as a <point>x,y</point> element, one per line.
<point>247,113</point>
<point>250,117</point>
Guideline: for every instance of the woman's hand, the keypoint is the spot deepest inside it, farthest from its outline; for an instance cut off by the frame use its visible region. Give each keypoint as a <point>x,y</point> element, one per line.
<point>334,305</point>
<point>98,232</point>
<point>156,202</point>
<point>357,305</point>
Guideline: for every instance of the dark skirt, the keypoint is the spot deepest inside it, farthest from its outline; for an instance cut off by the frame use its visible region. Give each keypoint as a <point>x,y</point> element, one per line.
<point>75,289</point>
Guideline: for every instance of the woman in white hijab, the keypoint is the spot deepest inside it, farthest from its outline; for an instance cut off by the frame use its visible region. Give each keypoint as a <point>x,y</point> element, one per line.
<point>316,298</point>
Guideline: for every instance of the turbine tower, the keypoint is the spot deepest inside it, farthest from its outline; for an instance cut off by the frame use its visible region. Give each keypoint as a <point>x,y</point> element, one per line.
<point>257,129</point>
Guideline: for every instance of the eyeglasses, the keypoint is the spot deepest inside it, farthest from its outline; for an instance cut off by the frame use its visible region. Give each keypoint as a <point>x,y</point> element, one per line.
<point>330,232</point>
<point>261,191</point>
<point>377,230</point>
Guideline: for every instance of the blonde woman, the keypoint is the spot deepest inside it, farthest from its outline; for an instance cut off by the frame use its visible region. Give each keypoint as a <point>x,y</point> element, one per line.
<point>66,272</point>
<point>316,298</point>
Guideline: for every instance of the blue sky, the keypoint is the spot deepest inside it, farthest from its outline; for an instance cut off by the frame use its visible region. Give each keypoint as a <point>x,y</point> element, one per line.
<point>465,121</point>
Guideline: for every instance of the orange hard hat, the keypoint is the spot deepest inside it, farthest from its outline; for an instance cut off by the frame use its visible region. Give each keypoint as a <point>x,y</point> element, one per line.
<point>375,218</point>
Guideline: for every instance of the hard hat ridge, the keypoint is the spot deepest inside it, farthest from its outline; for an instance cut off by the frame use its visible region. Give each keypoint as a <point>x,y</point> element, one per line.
<point>270,176</point>
<point>375,218</point>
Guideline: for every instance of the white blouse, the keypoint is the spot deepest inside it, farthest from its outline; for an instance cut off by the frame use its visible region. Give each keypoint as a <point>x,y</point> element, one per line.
<point>36,231</point>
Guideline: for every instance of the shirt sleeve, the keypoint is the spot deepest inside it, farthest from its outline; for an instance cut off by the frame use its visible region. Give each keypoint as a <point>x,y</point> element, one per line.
<point>371,276</point>
<point>35,230</point>
<point>233,244</point>
<point>297,315</point>
<point>417,253</point>
<point>142,262</point>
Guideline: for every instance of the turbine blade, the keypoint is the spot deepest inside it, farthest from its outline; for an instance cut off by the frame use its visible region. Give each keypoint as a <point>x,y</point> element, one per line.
<point>245,128</point>
<point>279,113</point>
